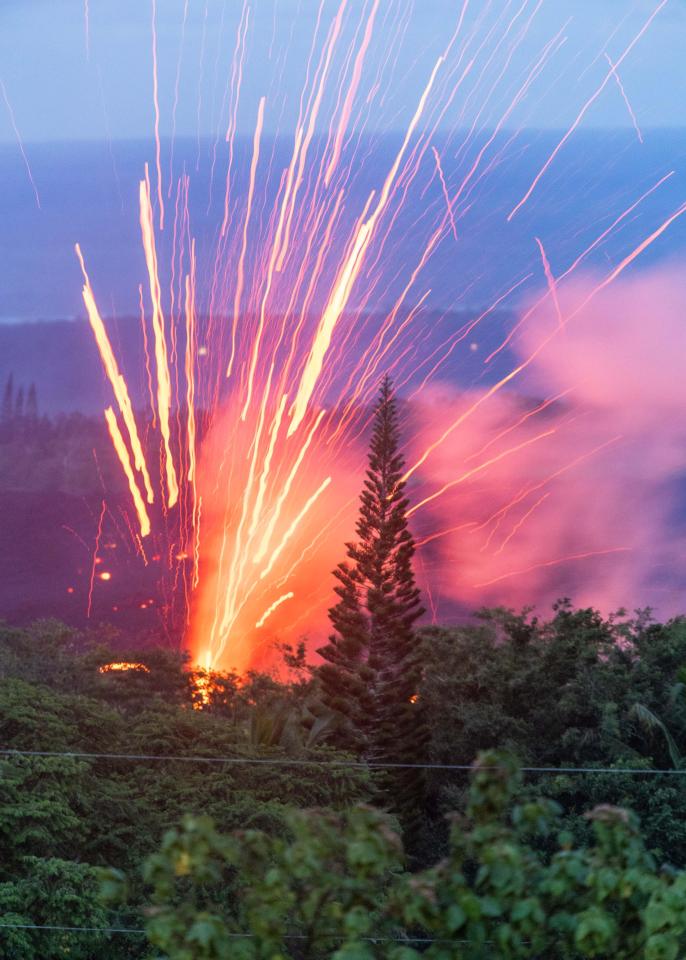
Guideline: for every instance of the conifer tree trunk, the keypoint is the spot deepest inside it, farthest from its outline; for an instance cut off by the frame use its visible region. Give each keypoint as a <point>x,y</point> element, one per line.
<point>372,663</point>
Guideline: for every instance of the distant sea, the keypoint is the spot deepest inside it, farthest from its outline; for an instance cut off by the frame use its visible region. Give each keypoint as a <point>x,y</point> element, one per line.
<point>89,193</point>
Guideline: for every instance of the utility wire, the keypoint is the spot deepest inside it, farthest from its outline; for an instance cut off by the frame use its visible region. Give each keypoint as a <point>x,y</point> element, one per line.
<point>42,926</point>
<point>345,764</point>
<point>234,936</point>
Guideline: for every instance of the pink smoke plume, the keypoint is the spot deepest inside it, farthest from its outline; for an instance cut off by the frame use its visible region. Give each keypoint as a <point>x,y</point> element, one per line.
<point>580,499</point>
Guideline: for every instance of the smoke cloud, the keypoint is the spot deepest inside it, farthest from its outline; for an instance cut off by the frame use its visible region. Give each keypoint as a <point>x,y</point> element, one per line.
<point>585,497</point>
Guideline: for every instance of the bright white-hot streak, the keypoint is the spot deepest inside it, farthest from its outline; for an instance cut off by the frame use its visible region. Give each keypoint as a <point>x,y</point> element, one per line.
<point>350,96</point>
<point>156,104</point>
<point>161,361</point>
<point>119,387</point>
<point>190,403</point>
<point>348,274</point>
<point>240,273</point>
<point>276,512</point>
<point>270,610</point>
<point>294,526</point>
<point>123,454</point>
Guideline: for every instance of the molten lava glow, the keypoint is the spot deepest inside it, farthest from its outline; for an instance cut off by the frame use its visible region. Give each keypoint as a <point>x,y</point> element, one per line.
<point>264,347</point>
<point>122,666</point>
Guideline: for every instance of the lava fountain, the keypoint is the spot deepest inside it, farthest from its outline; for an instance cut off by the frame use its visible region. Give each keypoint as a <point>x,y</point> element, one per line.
<point>265,348</point>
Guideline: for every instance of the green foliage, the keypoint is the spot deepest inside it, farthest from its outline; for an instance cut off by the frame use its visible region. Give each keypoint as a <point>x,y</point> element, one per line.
<point>575,691</point>
<point>96,813</point>
<point>333,888</point>
<point>318,890</point>
<point>52,892</point>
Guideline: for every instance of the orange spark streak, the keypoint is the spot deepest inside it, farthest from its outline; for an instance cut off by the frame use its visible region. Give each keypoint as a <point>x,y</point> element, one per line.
<point>190,412</point>
<point>189,364</point>
<point>262,486</point>
<point>346,110</point>
<point>630,258</point>
<point>163,379</point>
<point>348,274</point>
<point>532,356</point>
<point>480,467</point>
<point>148,371</point>
<point>625,99</point>
<point>156,104</point>
<point>519,524</point>
<point>371,361</point>
<point>530,413</point>
<point>550,279</point>
<point>305,140</point>
<point>240,274</point>
<point>20,142</point>
<point>477,403</point>
<point>257,340</point>
<point>196,546</point>
<point>526,491</point>
<point>533,74</point>
<point>444,533</point>
<point>324,246</point>
<point>444,188</point>
<point>86,26</point>
<point>462,334</point>
<point>552,563</point>
<point>123,454</point>
<point>119,387</point>
<point>95,559</point>
<point>268,612</point>
<point>582,256</point>
<point>294,525</point>
<point>176,96</point>
<point>262,549</point>
<point>584,110</point>
<point>288,198</point>
<point>236,82</point>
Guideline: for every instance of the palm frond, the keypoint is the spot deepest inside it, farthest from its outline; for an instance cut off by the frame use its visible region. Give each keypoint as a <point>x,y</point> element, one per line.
<point>651,722</point>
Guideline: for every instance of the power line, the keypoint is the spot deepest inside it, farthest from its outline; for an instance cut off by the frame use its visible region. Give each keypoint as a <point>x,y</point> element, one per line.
<point>233,936</point>
<point>64,929</point>
<point>344,764</point>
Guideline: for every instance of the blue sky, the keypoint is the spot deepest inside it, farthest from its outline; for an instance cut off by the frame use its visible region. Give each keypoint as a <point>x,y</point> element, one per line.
<point>58,92</point>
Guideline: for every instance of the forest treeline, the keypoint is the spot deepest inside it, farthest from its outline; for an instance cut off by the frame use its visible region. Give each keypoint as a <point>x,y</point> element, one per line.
<point>575,690</point>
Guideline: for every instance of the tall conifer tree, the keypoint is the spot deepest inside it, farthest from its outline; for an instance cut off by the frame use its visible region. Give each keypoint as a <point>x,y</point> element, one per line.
<point>372,663</point>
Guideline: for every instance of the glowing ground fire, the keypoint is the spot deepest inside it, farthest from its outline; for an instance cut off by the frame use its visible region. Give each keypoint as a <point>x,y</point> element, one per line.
<point>259,401</point>
<point>123,666</point>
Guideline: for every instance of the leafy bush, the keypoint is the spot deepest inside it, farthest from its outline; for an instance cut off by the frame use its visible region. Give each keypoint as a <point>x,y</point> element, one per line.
<point>333,889</point>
